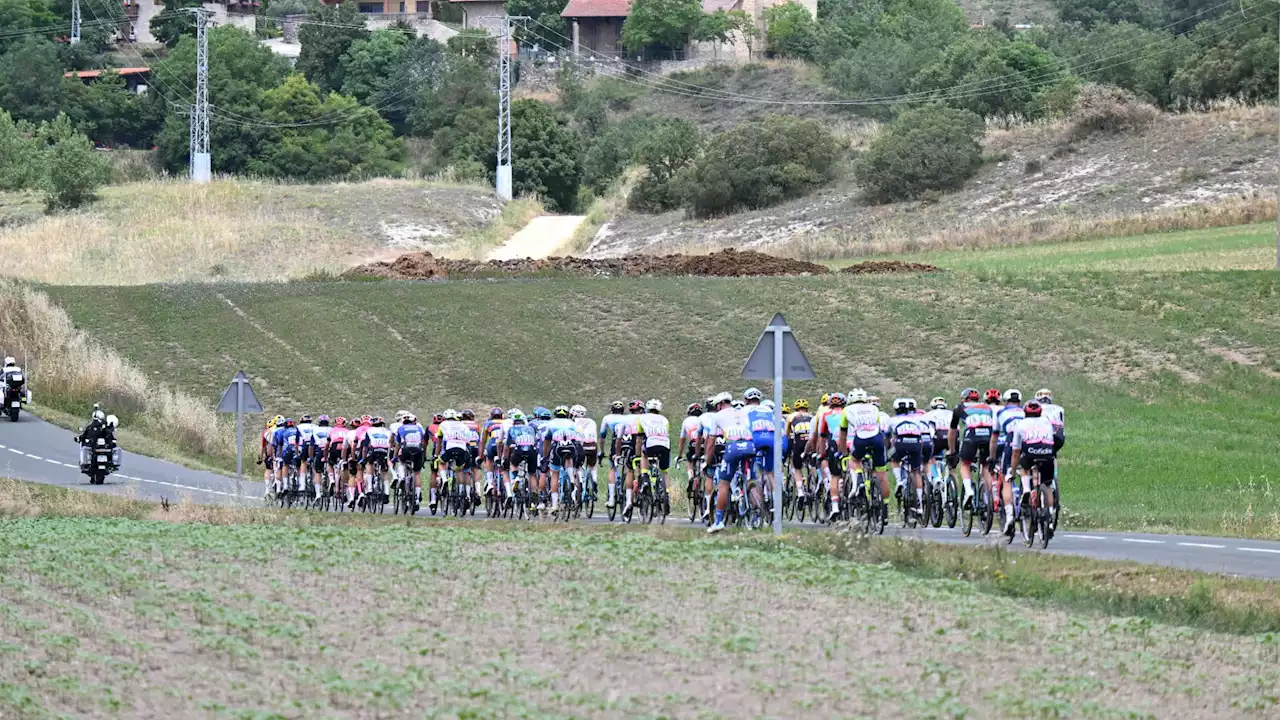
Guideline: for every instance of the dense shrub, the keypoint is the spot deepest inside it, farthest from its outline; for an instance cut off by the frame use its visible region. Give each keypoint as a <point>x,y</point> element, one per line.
<point>73,172</point>
<point>1103,109</point>
<point>664,151</point>
<point>928,149</point>
<point>758,164</point>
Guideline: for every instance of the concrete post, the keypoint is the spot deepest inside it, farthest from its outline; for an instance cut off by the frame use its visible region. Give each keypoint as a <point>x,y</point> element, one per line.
<point>576,47</point>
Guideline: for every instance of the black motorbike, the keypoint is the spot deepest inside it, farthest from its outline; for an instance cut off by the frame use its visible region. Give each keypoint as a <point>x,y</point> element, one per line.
<point>16,396</point>
<point>99,458</point>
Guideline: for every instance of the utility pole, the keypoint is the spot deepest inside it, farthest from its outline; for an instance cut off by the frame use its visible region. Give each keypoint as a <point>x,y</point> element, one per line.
<point>504,182</point>
<point>199,159</point>
<point>75,22</point>
<point>1278,162</point>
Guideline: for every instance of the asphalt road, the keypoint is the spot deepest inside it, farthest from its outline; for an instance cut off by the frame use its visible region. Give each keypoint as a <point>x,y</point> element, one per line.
<point>36,451</point>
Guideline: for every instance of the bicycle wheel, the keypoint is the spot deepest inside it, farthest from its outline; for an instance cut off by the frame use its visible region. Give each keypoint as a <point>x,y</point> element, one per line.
<point>1045,517</point>
<point>951,503</point>
<point>1057,504</point>
<point>988,513</point>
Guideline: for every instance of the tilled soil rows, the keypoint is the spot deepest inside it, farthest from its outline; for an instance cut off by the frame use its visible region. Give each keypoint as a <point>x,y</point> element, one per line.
<point>887,266</point>
<point>726,263</point>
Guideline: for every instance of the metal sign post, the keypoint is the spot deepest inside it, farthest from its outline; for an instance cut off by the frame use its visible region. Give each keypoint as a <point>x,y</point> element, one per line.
<point>239,398</point>
<point>777,356</point>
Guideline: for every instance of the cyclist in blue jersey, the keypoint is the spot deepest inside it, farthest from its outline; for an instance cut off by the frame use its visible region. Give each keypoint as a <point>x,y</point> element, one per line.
<point>1006,416</point>
<point>560,444</point>
<point>763,432</point>
<point>409,443</point>
<point>732,426</point>
<point>287,449</point>
<point>519,447</point>
<point>318,452</point>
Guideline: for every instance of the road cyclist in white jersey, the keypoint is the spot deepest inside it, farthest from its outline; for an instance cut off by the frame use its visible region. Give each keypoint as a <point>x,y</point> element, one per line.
<point>1035,443</point>
<point>907,432</point>
<point>397,467</point>
<point>1006,416</point>
<point>690,448</point>
<point>731,425</point>
<point>864,433</point>
<point>588,449</point>
<point>653,447</point>
<point>624,450</point>
<point>939,420</point>
<point>606,441</point>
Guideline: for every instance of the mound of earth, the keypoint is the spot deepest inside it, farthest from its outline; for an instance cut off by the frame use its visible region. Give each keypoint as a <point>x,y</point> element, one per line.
<point>888,266</point>
<point>726,263</point>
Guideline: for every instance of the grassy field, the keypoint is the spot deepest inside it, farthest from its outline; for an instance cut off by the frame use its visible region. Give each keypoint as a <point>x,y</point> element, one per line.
<point>1241,247</point>
<point>171,231</point>
<point>270,614</point>
<point>1164,376</point>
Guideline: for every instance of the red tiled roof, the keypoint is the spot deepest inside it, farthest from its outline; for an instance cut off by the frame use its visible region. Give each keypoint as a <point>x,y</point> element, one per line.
<point>98,73</point>
<point>597,8</point>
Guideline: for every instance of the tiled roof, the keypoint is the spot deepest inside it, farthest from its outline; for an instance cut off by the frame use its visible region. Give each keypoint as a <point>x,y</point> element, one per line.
<point>98,73</point>
<point>597,8</point>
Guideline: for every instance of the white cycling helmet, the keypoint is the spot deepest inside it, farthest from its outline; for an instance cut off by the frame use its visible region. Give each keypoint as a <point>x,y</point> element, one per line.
<point>113,421</point>
<point>450,414</point>
<point>737,404</point>
<point>410,419</point>
<point>578,411</point>
<point>8,360</point>
<point>767,405</point>
<point>857,395</point>
<point>874,400</point>
<point>938,403</point>
<point>723,397</point>
<point>401,415</point>
<point>1044,395</point>
<point>752,394</point>
<point>903,403</point>
<point>654,405</point>
<point>1012,395</point>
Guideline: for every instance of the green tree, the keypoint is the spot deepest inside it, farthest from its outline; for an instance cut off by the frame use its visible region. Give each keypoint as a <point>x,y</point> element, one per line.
<point>612,151</point>
<point>21,163</point>
<point>367,66</point>
<point>666,24</point>
<point>1232,60</point>
<point>73,172</point>
<point>790,31</point>
<point>16,15</point>
<point>464,84</point>
<point>723,26</point>
<point>926,149</point>
<point>1089,13</point>
<point>31,83</point>
<point>664,151</point>
<point>325,41</point>
<point>476,45</point>
<point>1148,74</point>
<point>110,114</point>
<point>989,75</point>
<point>547,27</point>
<point>172,25</point>
<point>758,164</point>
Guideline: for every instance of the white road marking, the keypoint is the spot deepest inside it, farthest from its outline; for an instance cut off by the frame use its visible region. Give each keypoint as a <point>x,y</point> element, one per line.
<point>1085,537</point>
<point>34,457</point>
<point>16,451</point>
<point>1144,542</point>
<point>55,462</point>
<point>72,466</point>
<point>1262,550</point>
<point>1202,545</point>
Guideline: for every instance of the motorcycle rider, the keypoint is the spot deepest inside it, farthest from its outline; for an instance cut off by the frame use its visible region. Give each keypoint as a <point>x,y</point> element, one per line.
<point>13,377</point>
<point>96,428</point>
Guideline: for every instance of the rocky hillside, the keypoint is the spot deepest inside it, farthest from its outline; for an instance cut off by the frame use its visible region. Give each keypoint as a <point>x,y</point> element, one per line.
<point>1036,178</point>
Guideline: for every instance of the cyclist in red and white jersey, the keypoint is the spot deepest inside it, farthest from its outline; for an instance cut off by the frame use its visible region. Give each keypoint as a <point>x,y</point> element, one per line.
<point>1035,444</point>
<point>969,438</point>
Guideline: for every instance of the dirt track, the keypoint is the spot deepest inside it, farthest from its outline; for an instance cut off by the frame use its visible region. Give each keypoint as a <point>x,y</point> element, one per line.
<point>726,263</point>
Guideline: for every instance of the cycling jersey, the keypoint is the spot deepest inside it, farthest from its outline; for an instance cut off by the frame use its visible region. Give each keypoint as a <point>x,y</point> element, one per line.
<point>863,421</point>
<point>306,431</point>
<point>799,426</point>
<point>939,419</point>
<point>656,430</point>
<point>337,438</point>
<point>1006,417</point>
<point>586,430</point>
<point>762,426</point>
<point>287,440</point>
<point>608,423</point>
<point>908,428</point>
<point>473,433</point>
<point>1055,414</point>
<point>411,437</point>
<point>395,428</point>
<point>977,418</point>
<point>625,429</point>
<point>320,439</point>
<point>493,430</point>
<point>561,432</point>
<point>1034,435</point>
<point>377,439</point>
<point>453,434</point>
<point>691,428</point>
<point>522,437</point>
<point>732,425</point>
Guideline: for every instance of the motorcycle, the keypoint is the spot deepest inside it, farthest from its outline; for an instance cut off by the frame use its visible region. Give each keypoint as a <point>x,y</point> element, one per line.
<point>99,460</point>
<point>15,396</point>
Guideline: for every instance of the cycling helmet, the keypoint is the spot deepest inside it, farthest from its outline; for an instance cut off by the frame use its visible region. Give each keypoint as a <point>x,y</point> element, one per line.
<point>836,400</point>
<point>468,414</point>
<point>366,419</point>
<point>938,403</point>
<point>636,406</point>
<point>801,404</point>
<point>1044,395</point>
<point>401,415</point>
<point>857,395</point>
<point>99,415</point>
<point>911,403</point>
<point>437,418</point>
<point>903,405</point>
<point>874,400</point>
<point>515,411</point>
<point>767,404</point>
<point>654,405</point>
<point>737,404</point>
<point>562,411</point>
<point>306,418</point>
<point>8,360</point>
<point>617,406</point>
<point>786,409</point>
<point>516,416</point>
<point>340,422</point>
<point>578,411</point>
<point>410,419</point>
<point>288,422</point>
<point>991,395</point>
<point>1032,409</point>
<point>826,398</point>
<point>378,421</point>
<point>752,394</point>
<point>694,409</point>
<point>277,421</point>
<point>450,414</point>
<point>1013,396</point>
<point>495,413</point>
<point>113,421</point>
<point>722,398</point>
<point>969,394</point>
<point>324,420</point>
<point>543,413</point>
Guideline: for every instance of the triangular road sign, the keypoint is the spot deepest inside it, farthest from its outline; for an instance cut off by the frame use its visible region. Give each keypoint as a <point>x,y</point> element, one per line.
<point>795,366</point>
<point>229,396</point>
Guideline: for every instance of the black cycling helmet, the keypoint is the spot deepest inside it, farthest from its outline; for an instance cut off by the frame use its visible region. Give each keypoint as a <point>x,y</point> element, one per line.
<point>695,409</point>
<point>468,414</point>
<point>617,406</point>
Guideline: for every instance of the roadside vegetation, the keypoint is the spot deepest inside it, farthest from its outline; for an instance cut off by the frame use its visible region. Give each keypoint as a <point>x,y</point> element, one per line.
<point>242,595</point>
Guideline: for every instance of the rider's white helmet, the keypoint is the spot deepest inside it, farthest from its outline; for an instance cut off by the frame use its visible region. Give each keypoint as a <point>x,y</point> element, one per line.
<point>8,360</point>
<point>1044,395</point>
<point>752,394</point>
<point>578,411</point>
<point>857,395</point>
<point>938,403</point>
<point>99,415</point>
<point>654,405</point>
<point>1012,395</point>
<point>723,397</point>
<point>450,414</point>
<point>113,421</point>
<point>767,405</point>
<point>401,415</point>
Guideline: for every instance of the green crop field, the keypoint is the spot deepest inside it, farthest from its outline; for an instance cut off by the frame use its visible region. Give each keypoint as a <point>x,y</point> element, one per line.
<point>128,617</point>
<point>1242,247</point>
<point>1168,379</point>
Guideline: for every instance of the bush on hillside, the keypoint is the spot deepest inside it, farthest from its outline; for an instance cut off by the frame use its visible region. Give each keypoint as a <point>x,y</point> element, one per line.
<point>20,162</point>
<point>612,151</point>
<point>1103,109</point>
<point>73,172</point>
<point>790,31</point>
<point>928,149</point>
<point>664,151</point>
<point>758,164</point>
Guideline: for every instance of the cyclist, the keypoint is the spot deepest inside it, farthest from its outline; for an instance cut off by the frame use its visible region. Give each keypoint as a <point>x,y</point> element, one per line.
<point>538,480</point>
<point>624,449</point>
<point>337,441</point>
<point>1035,445</point>
<point>978,420</point>
<point>733,427</point>
<point>653,442</point>
<point>827,449</point>
<point>690,449</point>
<point>287,448</point>
<point>490,436</point>
<point>410,442</point>
<point>1054,413</point>
<point>907,431</point>
<point>799,428</point>
<point>453,445</point>
<point>939,420</point>
<point>519,447</point>
<point>266,453</point>
<point>1006,416</point>
<point>607,442</point>
<point>870,438</point>
<point>786,442</point>
<point>707,437</point>
<point>376,455</point>
<point>397,469</point>
<point>560,445</point>
<point>433,459</point>
<point>473,445</point>
<point>354,455</point>
<point>318,453</point>
<point>763,431</point>
<point>588,449</point>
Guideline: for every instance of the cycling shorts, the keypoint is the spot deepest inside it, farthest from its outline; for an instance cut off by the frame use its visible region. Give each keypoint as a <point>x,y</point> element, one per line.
<point>626,454</point>
<point>378,457</point>
<point>1041,456</point>
<point>291,457</point>
<point>736,457</point>
<point>458,457</point>
<point>976,450</point>
<point>798,454</point>
<point>413,459</point>
<point>873,446</point>
<point>563,454</point>
<point>764,451</point>
<point>909,452</point>
<point>491,450</point>
<point>586,456</point>
<point>660,456</point>
<point>835,460</point>
<point>527,458</point>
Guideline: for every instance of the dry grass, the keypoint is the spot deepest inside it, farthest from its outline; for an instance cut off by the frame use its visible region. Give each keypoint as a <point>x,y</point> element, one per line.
<point>173,231</point>
<point>69,371</point>
<point>515,215</point>
<point>1037,231</point>
<point>602,209</point>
